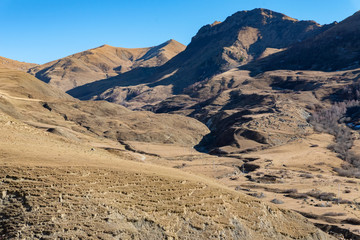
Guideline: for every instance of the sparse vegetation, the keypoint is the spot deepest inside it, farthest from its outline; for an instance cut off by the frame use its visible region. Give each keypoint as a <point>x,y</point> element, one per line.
<point>348,171</point>
<point>333,214</point>
<point>297,195</point>
<point>353,221</point>
<point>332,121</point>
<point>257,195</point>
<point>277,201</point>
<point>306,175</point>
<point>325,196</point>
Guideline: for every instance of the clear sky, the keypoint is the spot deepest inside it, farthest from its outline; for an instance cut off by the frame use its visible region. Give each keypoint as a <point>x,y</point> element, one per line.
<point>39,31</point>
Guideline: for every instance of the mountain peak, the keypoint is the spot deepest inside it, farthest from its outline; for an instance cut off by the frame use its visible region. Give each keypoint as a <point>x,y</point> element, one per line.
<point>171,42</point>
<point>170,45</point>
<point>256,18</point>
<point>342,38</point>
<point>260,16</point>
<point>215,23</point>
<point>105,45</point>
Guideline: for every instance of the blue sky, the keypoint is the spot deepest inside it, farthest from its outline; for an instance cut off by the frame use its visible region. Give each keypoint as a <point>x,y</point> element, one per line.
<point>44,30</point>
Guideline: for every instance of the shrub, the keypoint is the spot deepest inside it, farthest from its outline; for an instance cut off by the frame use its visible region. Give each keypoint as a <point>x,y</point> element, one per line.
<point>348,171</point>
<point>277,201</point>
<point>352,221</point>
<point>329,121</point>
<point>297,195</point>
<point>325,196</point>
<point>333,214</point>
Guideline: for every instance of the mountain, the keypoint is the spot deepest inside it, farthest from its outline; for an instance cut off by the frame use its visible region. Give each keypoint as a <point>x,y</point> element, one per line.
<point>203,81</point>
<point>337,48</point>
<point>210,81</point>
<point>240,39</point>
<point>12,64</point>
<point>103,62</point>
<point>30,100</point>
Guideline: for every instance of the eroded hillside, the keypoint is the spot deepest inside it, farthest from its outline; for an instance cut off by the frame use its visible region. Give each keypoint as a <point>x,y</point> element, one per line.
<point>83,185</point>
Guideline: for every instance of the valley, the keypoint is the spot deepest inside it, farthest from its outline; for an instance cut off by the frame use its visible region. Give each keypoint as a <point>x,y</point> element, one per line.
<point>249,132</point>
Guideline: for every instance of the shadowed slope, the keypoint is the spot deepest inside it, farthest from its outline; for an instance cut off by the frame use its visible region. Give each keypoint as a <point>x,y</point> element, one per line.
<point>337,48</point>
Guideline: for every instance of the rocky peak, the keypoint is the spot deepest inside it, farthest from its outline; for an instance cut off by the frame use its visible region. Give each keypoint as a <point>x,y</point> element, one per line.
<point>255,18</point>
<point>335,48</point>
<point>245,36</point>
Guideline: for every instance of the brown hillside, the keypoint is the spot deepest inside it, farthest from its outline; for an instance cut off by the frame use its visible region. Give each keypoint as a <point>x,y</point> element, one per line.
<point>103,62</point>
<point>29,99</point>
<point>12,64</point>
<point>65,172</point>
<point>244,111</point>
<point>63,189</point>
<point>15,83</point>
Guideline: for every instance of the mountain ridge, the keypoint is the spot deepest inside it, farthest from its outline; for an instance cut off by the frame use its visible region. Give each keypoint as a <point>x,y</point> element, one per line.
<point>242,37</point>
<point>102,62</point>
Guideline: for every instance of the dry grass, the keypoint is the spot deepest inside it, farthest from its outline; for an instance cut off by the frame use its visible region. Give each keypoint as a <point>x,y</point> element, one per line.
<point>63,189</point>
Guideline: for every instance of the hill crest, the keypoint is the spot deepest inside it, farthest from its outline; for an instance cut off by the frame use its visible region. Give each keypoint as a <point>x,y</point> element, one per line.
<point>16,65</point>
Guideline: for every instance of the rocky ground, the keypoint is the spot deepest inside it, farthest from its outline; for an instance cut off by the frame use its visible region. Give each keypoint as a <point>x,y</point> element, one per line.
<point>56,188</point>
<point>297,176</point>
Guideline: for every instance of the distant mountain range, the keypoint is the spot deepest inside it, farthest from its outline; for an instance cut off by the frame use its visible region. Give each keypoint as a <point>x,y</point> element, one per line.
<point>221,76</point>
<point>241,38</point>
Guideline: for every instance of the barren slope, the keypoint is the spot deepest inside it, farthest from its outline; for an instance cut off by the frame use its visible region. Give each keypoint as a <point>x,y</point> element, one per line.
<point>12,64</point>
<point>27,98</point>
<point>297,176</point>
<point>20,84</point>
<point>65,187</point>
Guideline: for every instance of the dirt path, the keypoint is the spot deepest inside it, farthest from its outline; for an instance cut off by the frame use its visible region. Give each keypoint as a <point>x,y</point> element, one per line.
<point>141,156</point>
<point>5,95</point>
